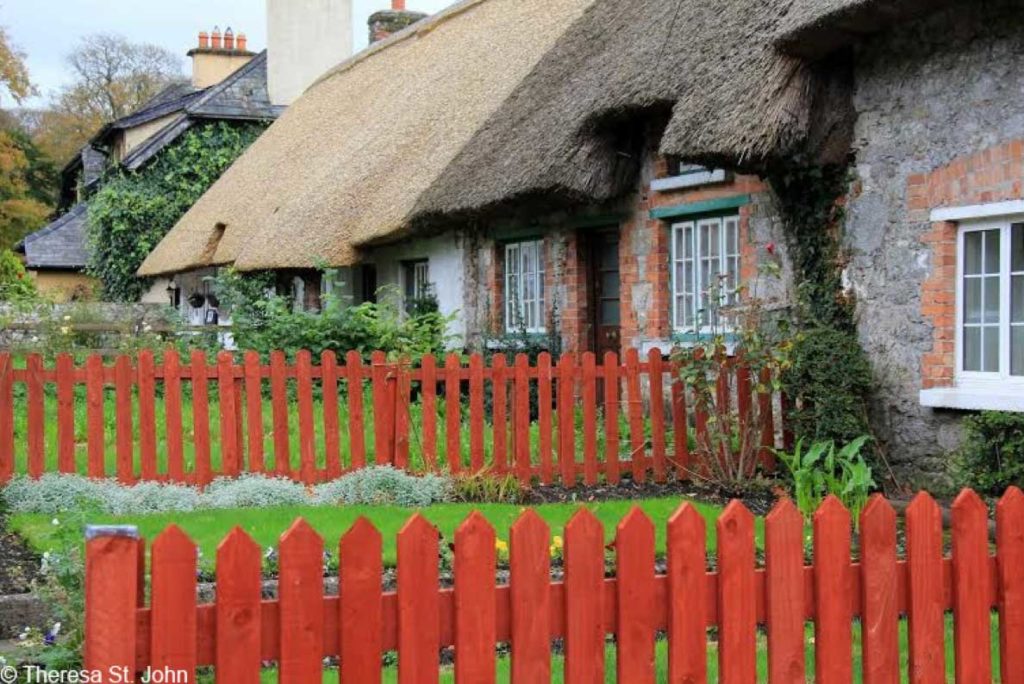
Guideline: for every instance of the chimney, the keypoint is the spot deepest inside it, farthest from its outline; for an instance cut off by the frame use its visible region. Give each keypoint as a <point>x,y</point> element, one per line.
<point>218,56</point>
<point>305,39</point>
<point>386,22</point>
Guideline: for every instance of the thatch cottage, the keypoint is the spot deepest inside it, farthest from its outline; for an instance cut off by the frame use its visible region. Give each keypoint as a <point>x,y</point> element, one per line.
<point>587,167</point>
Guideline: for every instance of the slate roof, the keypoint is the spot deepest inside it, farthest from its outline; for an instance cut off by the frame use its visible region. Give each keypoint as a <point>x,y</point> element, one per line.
<point>60,245</point>
<point>242,96</point>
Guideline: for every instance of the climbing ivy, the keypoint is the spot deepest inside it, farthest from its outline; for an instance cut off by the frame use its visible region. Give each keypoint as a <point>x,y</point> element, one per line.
<point>133,211</point>
<point>829,379</point>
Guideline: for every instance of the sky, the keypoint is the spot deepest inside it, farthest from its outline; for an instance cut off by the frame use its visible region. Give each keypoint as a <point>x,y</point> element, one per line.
<point>46,30</point>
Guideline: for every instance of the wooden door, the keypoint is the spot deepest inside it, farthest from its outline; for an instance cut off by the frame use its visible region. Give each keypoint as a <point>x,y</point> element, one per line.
<point>605,298</point>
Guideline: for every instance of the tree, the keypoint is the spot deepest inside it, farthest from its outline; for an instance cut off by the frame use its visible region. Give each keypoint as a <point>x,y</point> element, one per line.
<point>113,77</point>
<point>13,72</point>
<point>25,175</point>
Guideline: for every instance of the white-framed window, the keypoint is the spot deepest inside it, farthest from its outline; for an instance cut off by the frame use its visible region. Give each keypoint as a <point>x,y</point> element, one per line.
<point>705,263</point>
<point>524,286</point>
<point>990,301</point>
<point>416,277</point>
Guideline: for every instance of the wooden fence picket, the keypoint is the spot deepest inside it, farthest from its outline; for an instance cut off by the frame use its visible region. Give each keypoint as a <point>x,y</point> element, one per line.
<point>307,432</point>
<point>123,415</point>
<point>300,592</point>
<point>833,594</point>
<point>544,422</point>
<point>453,416</point>
<point>925,591</point>
<point>402,417</point>
<point>381,389</point>
<point>784,589</point>
<point>499,414</point>
<point>972,641</point>
<point>656,371</point>
<point>680,428</point>
<point>147,414</point>
<point>37,415</point>
<point>687,596</point>
<point>737,605</point>
<point>635,416</point>
<point>419,608</point>
<point>611,416</point>
<point>567,419</point>
<point>356,429</point>
<point>239,593</point>
<point>172,412</point>
<point>475,607</point>
<point>521,419</point>
<point>279,414</point>
<point>65,369</point>
<point>634,559</point>
<point>766,415</point>
<point>477,416</point>
<point>584,591</point>
<point>94,411</point>
<point>360,617</point>
<point>173,615</point>
<point>6,417</point>
<point>230,449</point>
<point>1009,562</point>
<point>329,387</point>
<point>879,593</point>
<point>530,599</point>
<point>111,597</point>
<point>201,418</point>
<point>588,393</point>
<point>428,394</point>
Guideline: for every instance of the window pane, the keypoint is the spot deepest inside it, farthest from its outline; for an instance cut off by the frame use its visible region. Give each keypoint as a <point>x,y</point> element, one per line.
<point>992,300</point>
<point>610,311</point>
<point>1017,247</point>
<point>688,241</point>
<point>972,300</point>
<point>1017,299</point>
<point>610,284</point>
<point>1017,350</point>
<point>732,235</point>
<point>992,251</point>
<point>991,349</point>
<point>972,252</point>
<point>972,349</point>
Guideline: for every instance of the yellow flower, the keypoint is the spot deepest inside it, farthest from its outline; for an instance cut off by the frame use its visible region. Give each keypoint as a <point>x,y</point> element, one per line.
<point>501,545</point>
<point>65,330</point>
<point>557,542</point>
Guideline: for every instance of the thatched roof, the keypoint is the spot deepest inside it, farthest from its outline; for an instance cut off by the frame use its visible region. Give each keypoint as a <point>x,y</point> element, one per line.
<point>349,160</point>
<point>814,28</point>
<point>495,101</point>
<point>707,70</point>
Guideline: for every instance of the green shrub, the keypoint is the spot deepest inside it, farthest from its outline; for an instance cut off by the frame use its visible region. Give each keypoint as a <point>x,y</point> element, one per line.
<point>384,485</point>
<point>828,382</point>
<point>484,487</point>
<point>992,456</point>
<point>15,284</point>
<point>822,470</point>
<point>266,324</point>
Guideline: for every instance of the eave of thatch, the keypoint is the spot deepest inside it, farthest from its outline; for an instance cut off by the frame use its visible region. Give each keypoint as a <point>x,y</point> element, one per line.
<point>346,164</point>
<point>706,70</point>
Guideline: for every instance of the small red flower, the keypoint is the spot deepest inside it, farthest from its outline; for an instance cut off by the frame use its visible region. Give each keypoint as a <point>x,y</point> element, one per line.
<point>771,248</point>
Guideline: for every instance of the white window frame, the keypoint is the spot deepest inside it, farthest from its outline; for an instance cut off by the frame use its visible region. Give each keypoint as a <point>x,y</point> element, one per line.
<point>514,254</point>
<point>419,269</point>
<point>980,379</point>
<point>724,256</point>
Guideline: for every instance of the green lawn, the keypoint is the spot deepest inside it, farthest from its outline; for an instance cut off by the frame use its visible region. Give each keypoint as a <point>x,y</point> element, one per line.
<point>265,525</point>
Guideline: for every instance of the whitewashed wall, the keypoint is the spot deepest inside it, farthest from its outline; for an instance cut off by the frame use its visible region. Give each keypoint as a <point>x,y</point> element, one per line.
<point>445,256</point>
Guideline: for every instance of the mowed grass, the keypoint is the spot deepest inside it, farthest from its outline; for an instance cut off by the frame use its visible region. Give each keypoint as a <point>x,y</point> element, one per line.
<point>503,665</point>
<point>207,528</point>
<point>266,428</point>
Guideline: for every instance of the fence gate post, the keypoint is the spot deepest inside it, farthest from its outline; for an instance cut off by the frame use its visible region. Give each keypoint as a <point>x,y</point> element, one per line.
<point>111,598</point>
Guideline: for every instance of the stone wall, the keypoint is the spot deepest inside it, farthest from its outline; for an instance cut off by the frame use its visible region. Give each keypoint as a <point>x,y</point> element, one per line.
<point>928,94</point>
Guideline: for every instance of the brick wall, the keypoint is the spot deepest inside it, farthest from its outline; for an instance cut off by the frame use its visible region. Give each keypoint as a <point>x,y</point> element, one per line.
<point>992,175</point>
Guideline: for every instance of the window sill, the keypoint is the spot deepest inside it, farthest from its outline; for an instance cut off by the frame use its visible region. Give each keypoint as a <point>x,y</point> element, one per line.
<point>689,180</point>
<point>974,398</point>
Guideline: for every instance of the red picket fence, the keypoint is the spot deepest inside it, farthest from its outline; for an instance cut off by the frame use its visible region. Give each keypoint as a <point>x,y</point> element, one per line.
<point>141,386</point>
<point>302,626</point>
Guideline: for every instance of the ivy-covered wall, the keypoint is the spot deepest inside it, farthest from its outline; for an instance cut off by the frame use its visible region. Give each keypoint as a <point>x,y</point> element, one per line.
<point>133,211</point>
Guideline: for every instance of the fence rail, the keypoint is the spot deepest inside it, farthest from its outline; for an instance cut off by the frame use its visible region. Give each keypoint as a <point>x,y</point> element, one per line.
<point>550,421</point>
<point>301,627</point>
